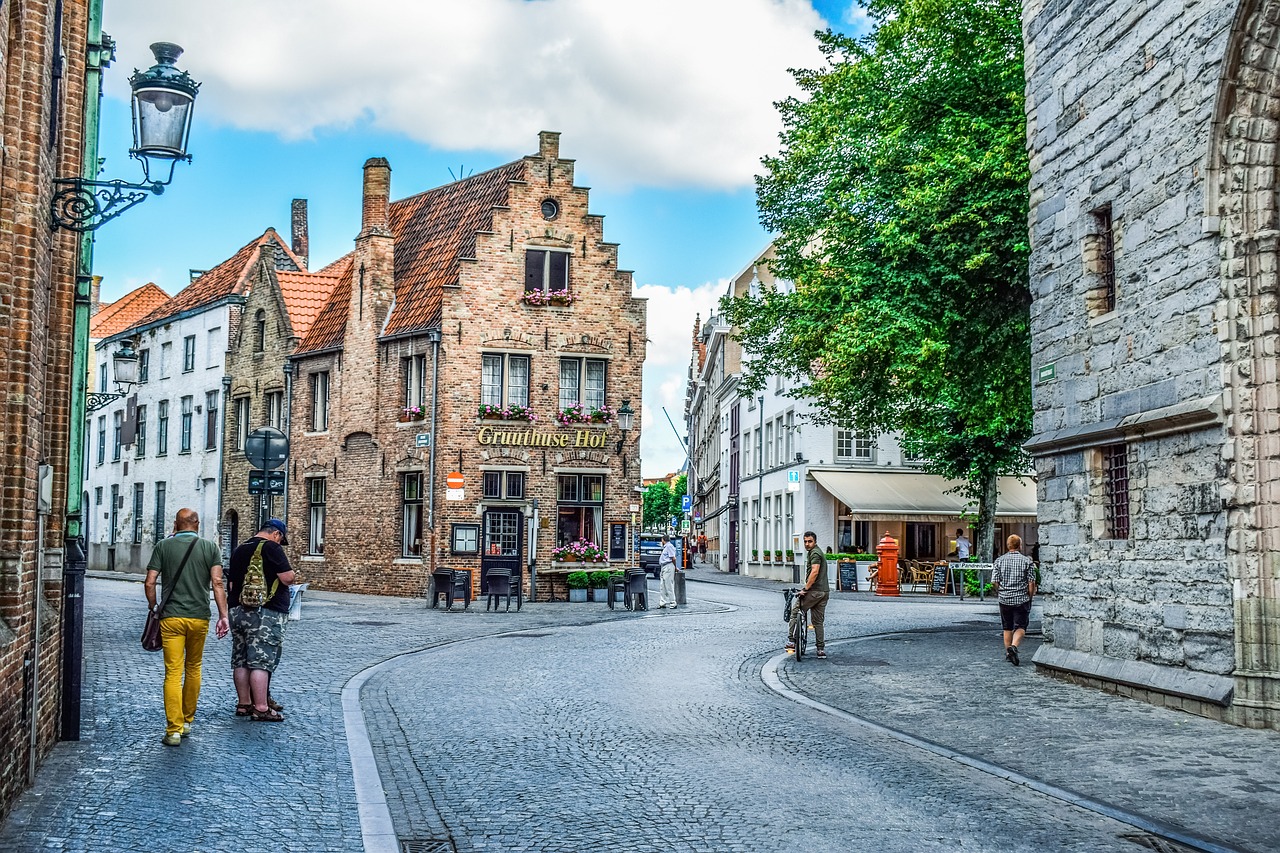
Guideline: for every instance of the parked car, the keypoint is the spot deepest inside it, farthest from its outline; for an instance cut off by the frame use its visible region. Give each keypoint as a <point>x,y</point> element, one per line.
<point>651,549</point>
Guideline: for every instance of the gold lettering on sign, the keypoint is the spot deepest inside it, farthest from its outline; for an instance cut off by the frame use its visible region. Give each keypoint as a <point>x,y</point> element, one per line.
<point>488,435</point>
<point>589,438</point>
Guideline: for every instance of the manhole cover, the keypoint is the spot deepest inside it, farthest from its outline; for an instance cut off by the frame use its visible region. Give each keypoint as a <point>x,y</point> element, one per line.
<point>1155,842</point>
<point>428,845</point>
<point>843,661</point>
<point>376,624</point>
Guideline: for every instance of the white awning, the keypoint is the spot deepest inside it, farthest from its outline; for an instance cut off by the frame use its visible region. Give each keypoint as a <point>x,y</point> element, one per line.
<point>904,492</point>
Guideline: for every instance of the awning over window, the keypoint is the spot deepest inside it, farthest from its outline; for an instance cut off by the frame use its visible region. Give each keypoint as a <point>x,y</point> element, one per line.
<point>902,492</point>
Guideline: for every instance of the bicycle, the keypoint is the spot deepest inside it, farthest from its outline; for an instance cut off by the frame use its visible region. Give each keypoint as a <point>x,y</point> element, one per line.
<point>800,636</point>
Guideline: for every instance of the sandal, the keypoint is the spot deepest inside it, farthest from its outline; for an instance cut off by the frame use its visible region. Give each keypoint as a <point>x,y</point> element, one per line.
<point>267,716</point>
<point>244,710</point>
<point>273,704</point>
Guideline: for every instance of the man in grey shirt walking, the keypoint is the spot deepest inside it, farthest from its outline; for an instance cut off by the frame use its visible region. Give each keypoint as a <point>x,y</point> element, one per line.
<point>1014,576</point>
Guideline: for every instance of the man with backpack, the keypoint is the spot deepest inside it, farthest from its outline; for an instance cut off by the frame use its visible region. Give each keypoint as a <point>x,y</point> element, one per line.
<point>258,592</point>
<point>187,567</point>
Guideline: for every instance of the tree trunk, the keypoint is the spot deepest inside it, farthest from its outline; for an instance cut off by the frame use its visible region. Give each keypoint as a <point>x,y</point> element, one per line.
<point>987,548</point>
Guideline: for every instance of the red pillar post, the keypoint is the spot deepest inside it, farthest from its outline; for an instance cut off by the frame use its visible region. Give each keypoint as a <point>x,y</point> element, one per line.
<point>887,575</point>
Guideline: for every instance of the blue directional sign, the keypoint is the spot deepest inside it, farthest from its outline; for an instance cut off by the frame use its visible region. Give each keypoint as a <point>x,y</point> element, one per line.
<point>793,476</point>
<point>686,503</point>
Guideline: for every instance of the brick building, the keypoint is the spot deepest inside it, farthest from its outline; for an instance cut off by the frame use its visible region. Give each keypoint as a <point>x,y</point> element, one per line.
<point>1152,129</point>
<point>44,58</point>
<point>280,305</point>
<point>495,290</point>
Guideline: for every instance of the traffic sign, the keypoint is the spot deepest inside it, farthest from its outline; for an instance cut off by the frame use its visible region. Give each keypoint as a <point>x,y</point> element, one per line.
<point>422,439</point>
<point>267,448</point>
<point>793,476</point>
<point>686,503</point>
<point>266,482</point>
<point>455,480</point>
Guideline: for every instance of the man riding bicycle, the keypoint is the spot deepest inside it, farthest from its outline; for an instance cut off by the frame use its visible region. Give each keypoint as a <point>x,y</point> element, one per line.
<point>813,595</point>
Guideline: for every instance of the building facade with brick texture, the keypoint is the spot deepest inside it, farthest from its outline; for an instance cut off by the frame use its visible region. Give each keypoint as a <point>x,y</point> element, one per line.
<point>1153,223</point>
<point>42,106</point>
<point>449,303</point>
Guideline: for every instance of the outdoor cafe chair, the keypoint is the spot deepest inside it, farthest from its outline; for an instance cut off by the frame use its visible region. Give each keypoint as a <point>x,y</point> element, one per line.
<point>499,582</point>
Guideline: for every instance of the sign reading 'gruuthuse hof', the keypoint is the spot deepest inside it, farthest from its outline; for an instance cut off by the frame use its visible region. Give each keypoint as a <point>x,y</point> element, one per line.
<point>589,438</point>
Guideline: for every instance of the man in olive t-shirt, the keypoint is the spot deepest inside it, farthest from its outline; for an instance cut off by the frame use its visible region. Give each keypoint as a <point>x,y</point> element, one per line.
<point>814,594</point>
<point>184,622</point>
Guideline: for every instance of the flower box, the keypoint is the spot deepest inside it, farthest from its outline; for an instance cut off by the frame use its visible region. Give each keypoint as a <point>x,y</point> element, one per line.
<point>538,298</point>
<point>513,412</point>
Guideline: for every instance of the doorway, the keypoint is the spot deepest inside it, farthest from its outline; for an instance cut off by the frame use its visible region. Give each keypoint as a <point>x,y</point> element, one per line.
<point>503,545</point>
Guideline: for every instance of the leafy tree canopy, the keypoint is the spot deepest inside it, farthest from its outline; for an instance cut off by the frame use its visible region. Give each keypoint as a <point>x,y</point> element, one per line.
<point>900,199</point>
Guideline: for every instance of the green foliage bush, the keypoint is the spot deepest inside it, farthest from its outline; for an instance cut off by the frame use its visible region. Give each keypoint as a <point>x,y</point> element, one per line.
<point>576,580</point>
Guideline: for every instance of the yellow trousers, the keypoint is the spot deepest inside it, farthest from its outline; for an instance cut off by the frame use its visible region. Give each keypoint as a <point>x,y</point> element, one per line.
<point>182,641</point>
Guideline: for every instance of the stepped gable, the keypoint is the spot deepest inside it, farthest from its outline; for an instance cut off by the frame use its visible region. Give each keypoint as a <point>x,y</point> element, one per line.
<point>305,294</point>
<point>126,311</point>
<point>434,231</point>
<point>329,327</point>
<point>231,277</point>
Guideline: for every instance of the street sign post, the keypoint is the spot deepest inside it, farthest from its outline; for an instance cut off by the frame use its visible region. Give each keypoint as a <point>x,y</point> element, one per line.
<point>266,482</point>
<point>422,439</point>
<point>686,503</point>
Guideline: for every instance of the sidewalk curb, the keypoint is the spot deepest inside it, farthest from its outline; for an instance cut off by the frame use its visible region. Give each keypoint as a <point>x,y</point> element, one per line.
<point>769,675</point>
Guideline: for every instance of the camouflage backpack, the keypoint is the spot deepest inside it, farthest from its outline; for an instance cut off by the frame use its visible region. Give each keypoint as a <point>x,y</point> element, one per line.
<point>253,591</point>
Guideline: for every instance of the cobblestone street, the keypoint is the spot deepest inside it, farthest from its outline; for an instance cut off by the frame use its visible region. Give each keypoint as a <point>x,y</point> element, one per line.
<point>572,727</point>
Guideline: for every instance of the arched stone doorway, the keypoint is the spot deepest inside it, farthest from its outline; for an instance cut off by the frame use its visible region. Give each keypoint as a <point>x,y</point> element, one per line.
<point>1241,200</point>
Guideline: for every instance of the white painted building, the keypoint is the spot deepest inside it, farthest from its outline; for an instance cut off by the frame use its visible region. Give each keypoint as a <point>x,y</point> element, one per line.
<point>778,473</point>
<point>160,449</point>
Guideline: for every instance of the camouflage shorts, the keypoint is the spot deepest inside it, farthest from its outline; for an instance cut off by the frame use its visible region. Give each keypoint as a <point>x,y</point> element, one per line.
<point>257,636</point>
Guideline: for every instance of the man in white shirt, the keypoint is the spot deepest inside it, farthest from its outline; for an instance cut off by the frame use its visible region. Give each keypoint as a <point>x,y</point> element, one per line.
<point>667,565</point>
<point>962,545</point>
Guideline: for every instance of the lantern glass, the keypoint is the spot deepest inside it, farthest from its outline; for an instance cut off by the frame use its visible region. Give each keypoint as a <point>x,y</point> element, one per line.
<point>124,365</point>
<point>625,414</point>
<point>162,119</point>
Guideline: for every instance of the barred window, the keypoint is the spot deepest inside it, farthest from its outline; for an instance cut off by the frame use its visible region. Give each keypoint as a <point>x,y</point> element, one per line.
<point>1115,468</point>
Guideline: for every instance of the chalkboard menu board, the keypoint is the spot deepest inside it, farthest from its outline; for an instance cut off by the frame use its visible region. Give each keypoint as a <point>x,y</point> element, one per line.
<point>617,541</point>
<point>848,575</point>
<point>940,578</point>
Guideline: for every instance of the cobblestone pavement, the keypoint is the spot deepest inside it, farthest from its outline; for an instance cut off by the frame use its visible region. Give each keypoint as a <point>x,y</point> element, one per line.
<point>583,728</point>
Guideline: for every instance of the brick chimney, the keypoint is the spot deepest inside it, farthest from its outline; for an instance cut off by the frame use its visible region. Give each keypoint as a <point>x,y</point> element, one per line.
<point>549,145</point>
<point>301,240</point>
<point>377,196</point>
<point>95,295</point>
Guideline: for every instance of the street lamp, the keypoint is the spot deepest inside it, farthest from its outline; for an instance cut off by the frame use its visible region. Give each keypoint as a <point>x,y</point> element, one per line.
<point>163,97</point>
<point>124,370</point>
<point>625,417</point>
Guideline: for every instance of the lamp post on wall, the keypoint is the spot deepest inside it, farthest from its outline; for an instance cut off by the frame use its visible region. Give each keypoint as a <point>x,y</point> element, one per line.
<point>163,97</point>
<point>124,372</point>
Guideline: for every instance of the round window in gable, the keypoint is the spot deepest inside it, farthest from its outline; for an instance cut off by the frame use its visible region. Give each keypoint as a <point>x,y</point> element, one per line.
<point>550,209</point>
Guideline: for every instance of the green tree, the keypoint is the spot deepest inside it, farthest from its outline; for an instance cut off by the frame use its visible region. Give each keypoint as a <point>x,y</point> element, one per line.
<point>899,198</point>
<point>678,490</point>
<point>657,506</point>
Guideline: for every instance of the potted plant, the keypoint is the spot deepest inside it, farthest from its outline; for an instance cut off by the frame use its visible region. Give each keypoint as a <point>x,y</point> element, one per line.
<point>777,555</point>
<point>791,555</point>
<point>755,554</point>
<point>603,415</point>
<point>768,555</point>
<point>561,297</point>
<point>577,583</point>
<point>599,582</point>
<point>411,413</point>
<point>512,412</point>
<point>575,414</point>
<point>864,563</point>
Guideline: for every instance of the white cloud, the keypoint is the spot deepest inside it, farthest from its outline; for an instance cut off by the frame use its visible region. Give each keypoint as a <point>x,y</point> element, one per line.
<point>666,368</point>
<point>652,92</point>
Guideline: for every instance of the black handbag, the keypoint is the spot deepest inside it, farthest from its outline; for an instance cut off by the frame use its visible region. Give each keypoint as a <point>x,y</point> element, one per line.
<point>151,629</point>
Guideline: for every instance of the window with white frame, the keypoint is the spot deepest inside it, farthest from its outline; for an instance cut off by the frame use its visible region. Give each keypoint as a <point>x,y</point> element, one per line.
<point>161,490</point>
<point>188,353</point>
<point>504,380</point>
<point>414,370</point>
<point>102,439</point>
<point>791,443</point>
<point>580,508</point>
<point>102,376</point>
<point>582,380</point>
<point>117,424</point>
<point>316,499</point>
<point>140,437</point>
<point>503,485</point>
<point>465,539</point>
<point>139,499</point>
<point>320,401</point>
<point>411,514</point>
<point>213,347</point>
<point>274,408</point>
<point>546,270</point>
<point>144,366</point>
<point>241,409</point>
<point>166,359</point>
<point>854,446</point>
<point>768,445</point>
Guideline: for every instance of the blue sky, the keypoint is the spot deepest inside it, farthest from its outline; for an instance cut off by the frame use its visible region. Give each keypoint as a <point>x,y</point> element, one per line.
<point>667,124</point>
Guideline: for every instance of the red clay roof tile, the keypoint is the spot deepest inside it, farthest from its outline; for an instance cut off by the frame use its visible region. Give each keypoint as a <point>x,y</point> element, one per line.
<point>126,311</point>
<point>304,295</point>
<point>330,325</point>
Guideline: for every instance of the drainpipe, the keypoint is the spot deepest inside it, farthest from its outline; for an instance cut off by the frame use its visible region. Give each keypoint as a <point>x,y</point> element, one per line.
<point>760,473</point>
<point>433,335</point>
<point>100,50</point>
<point>288,432</point>
<point>222,461</point>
